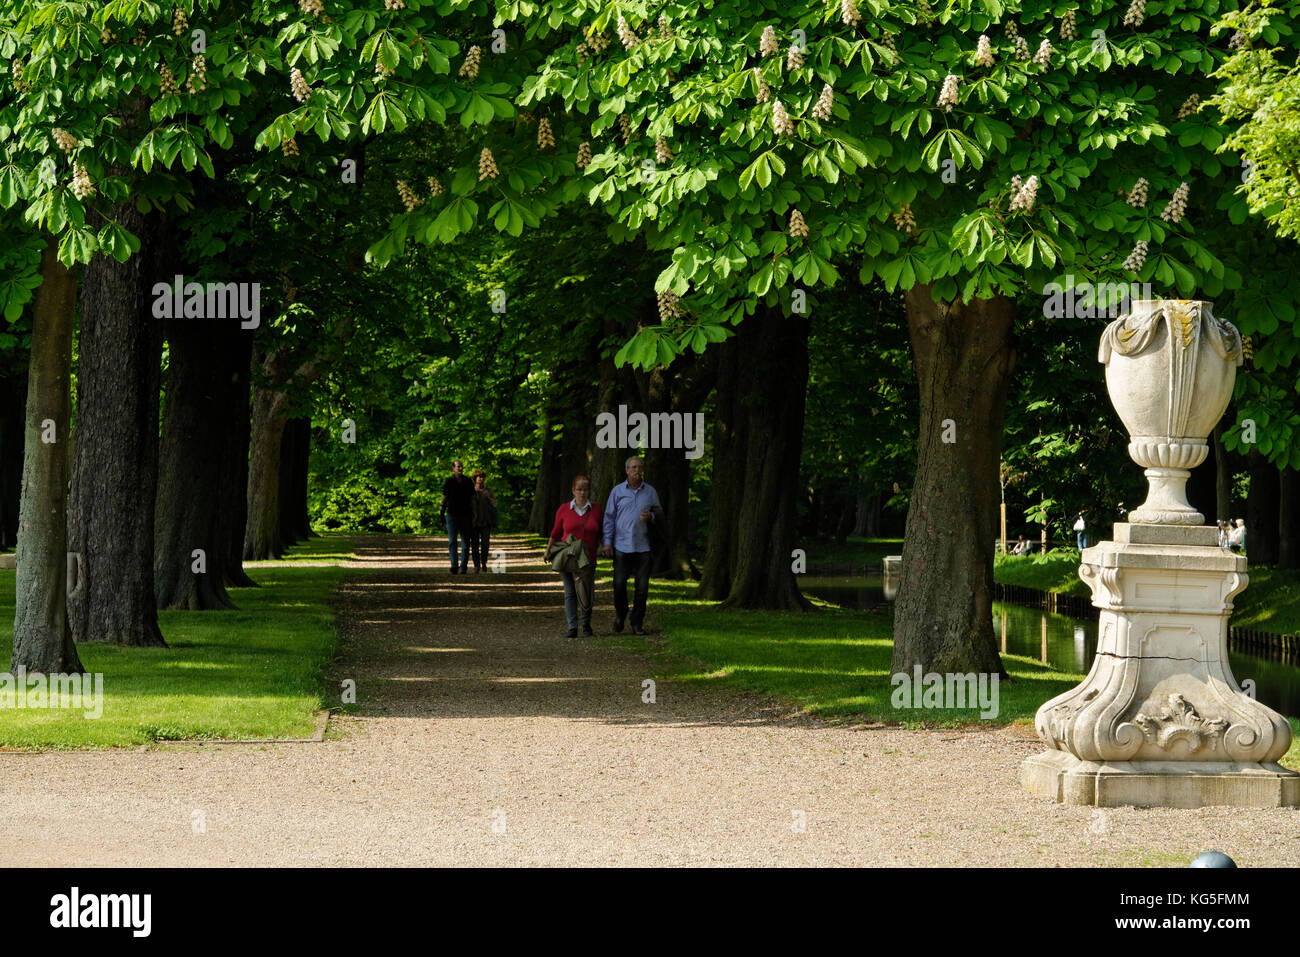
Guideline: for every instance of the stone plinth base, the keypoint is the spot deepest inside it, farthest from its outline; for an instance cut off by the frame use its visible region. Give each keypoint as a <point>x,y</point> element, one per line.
<point>1187,784</point>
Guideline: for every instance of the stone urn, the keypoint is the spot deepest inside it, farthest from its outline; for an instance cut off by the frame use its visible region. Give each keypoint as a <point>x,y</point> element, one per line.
<point>1170,368</point>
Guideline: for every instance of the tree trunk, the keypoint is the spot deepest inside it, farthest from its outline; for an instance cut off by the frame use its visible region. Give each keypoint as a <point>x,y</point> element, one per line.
<point>1288,553</point>
<point>861,514</point>
<point>1262,506</point>
<point>111,520</point>
<point>42,634</point>
<point>13,396</point>
<point>606,465</point>
<point>295,462</point>
<point>262,535</point>
<point>758,438</point>
<point>300,512</point>
<point>234,464</point>
<point>848,511</point>
<point>679,388</point>
<point>964,354</point>
<point>196,433</point>
<point>1222,477</point>
<point>288,460</point>
<point>1202,487</point>
<point>730,432</point>
<point>548,479</point>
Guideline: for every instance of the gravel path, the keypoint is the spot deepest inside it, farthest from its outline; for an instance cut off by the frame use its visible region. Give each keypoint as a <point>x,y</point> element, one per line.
<point>485,738</point>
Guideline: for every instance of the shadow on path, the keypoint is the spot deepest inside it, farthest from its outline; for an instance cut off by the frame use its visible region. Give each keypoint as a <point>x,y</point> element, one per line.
<point>421,642</point>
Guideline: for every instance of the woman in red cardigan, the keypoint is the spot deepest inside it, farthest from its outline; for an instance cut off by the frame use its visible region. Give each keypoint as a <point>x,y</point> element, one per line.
<point>582,519</point>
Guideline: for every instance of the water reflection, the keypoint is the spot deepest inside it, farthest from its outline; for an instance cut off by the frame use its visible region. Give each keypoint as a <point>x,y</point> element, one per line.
<point>1070,643</point>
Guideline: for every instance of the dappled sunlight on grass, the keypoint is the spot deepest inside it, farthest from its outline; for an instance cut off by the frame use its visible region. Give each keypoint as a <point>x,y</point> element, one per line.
<point>1271,602</point>
<point>831,661</point>
<point>1056,571</point>
<point>250,673</point>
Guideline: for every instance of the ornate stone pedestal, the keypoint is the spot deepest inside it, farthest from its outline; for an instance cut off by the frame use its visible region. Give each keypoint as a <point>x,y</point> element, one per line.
<point>1159,720</point>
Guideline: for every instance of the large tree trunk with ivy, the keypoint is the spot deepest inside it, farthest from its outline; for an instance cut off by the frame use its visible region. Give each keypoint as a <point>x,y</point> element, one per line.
<point>964,355</point>
<point>42,634</point>
<point>1263,502</point>
<point>196,435</point>
<point>111,519</point>
<point>758,439</point>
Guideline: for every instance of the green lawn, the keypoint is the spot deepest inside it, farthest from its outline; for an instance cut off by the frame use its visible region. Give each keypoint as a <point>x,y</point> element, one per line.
<point>831,662</point>
<point>1056,571</point>
<point>861,551</point>
<point>251,673</point>
<point>328,547</point>
<point>1271,602</point>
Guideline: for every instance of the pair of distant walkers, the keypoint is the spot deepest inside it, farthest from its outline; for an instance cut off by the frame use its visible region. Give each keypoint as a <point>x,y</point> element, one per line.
<point>631,514</point>
<point>469,509</point>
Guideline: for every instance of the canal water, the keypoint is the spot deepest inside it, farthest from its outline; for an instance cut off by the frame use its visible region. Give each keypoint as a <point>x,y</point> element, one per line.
<point>1070,643</point>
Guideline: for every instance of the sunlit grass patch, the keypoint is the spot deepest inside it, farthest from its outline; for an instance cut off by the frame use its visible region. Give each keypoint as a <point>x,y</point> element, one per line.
<point>327,547</point>
<point>830,662</point>
<point>251,673</point>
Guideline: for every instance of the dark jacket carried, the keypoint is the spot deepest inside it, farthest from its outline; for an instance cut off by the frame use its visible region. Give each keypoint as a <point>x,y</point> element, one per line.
<point>458,499</point>
<point>569,555</point>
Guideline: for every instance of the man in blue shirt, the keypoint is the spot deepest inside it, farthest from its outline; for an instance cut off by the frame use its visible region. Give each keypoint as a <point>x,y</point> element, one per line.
<point>632,506</point>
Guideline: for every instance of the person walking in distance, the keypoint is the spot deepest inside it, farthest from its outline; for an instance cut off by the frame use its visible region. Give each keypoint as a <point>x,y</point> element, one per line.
<point>485,519</point>
<point>458,504</point>
<point>631,507</point>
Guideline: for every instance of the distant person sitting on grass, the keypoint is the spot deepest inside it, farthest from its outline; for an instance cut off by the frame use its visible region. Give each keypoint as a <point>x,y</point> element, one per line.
<point>1021,546</point>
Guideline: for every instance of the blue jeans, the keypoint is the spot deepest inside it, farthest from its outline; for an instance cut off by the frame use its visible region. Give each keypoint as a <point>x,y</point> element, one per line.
<point>578,592</point>
<point>636,564</point>
<point>1082,538</point>
<point>454,530</point>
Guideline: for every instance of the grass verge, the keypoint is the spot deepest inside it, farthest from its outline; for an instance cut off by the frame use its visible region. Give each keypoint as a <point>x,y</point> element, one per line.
<point>831,662</point>
<point>1271,602</point>
<point>251,673</point>
<point>325,547</point>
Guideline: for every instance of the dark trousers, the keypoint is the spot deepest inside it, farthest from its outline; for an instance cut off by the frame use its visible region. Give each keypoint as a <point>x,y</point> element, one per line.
<point>479,539</point>
<point>636,564</point>
<point>458,529</point>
